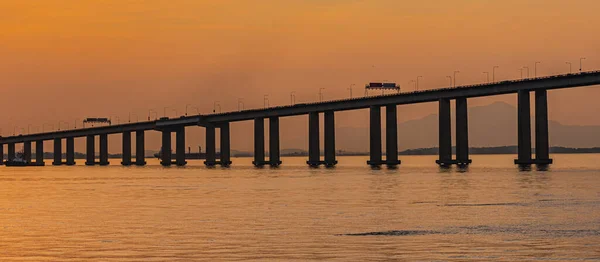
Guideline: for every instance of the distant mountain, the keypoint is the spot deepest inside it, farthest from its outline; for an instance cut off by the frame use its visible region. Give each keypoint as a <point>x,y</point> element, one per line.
<point>493,125</point>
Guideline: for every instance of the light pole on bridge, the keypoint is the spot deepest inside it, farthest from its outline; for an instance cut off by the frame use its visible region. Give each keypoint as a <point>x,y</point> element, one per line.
<point>526,67</point>
<point>350,89</point>
<point>570,67</point>
<point>581,63</point>
<point>521,70</point>
<point>417,87</point>
<point>150,113</point>
<point>240,102</point>
<point>265,101</point>
<point>535,69</point>
<point>321,94</point>
<point>494,73</point>
<point>450,77</point>
<point>455,72</point>
<point>292,98</point>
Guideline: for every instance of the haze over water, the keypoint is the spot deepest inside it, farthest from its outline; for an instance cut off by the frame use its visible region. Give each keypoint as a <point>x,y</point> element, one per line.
<point>491,211</point>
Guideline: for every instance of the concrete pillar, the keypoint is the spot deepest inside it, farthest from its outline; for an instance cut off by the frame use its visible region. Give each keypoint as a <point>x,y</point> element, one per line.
<point>314,151</point>
<point>542,142</point>
<point>90,154</point>
<point>462,132</point>
<point>27,151</point>
<point>445,133</point>
<point>210,147</point>
<point>524,129</point>
<point>259,142</point>
<point>104,150</point>
<point>391,135</point>
<point>274,154</point>
<point>330,139</point>
<point>140,148</point>
<point>57,152</point>
<point>11,152</point>
<point>375,136</point>
<point>39,152</point>
<point>180,146</point>
<point>1,154</point>
<point>165,150</point>
<point>126,152</point>
<point>70,151</point>
<point>225,144</point>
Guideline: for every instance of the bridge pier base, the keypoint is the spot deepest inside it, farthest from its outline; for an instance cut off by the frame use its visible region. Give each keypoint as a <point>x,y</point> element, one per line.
<point>27,151</point>
<point>104,150</point>
<point>140,151</point>
<point>225,154</point>
<point>391,136</point>
<point>39,153</point>
<point>90,154</point>
<point>542,145</point>
<point>57,152</point>
<point>210,147</point>
<point>462,132</point>
<point>314,151</point>
<point>11,152</point>
<point>259,142</point>
<point>330,160</point>
<point>542,142</point>
<point>274,153</point>
<point>70,151</point>
<point>445,134</point>
<point>1,154</point>
<point>375,137</point>
<point>165,150</point>
<point>180,146</point>
<point>126,151</point>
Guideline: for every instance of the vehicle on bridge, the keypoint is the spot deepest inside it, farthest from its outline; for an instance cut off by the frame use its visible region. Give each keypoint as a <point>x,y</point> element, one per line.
<point>381,86</point>
<point>95,120</point>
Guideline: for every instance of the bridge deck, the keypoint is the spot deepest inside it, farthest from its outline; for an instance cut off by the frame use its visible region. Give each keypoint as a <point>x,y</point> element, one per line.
<point>469,91</point>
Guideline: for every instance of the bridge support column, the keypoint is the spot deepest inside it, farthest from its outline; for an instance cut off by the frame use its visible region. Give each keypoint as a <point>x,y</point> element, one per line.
<point>274,154</point>
<point>375,136</point>
<point>70,151</point>
<point>11,152</point>
<point>330,160</point>
<point>140,148</point>
<point>27,151</point>
<point>542,143</point>
<point>314,151</point>
<point>445,134</point>
<point>225,154</point>
<point>165,150</point>
<point>259,142</point>
<point>104,150</point>
<point>1,154</point>
<point>462,132</point>
<point>90,154</point>
<point>391,136</point>
<point>39,153</point>
<point>210,147</point>
<point>180,147</point>
<point>524,129</point>
<point>126,152</point>
<point>57,152</point>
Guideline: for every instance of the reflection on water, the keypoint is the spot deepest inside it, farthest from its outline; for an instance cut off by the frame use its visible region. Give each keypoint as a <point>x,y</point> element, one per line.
<point>489,211</point>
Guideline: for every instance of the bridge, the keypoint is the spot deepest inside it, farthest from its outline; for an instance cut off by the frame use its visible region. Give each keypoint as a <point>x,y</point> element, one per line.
<point>211,122</point>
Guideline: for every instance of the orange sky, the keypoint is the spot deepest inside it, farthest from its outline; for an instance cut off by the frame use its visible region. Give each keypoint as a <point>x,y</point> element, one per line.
<point>62,60</point>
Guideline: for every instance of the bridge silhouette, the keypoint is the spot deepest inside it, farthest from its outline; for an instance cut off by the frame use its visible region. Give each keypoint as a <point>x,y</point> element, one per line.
<point>211,122</point>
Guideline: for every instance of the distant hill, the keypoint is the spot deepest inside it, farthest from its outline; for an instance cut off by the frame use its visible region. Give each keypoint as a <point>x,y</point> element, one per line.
<point>493,125</point>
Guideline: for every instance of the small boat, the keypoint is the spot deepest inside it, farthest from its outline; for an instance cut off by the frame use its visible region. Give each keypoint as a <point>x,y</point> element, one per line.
<point>19,160</point>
